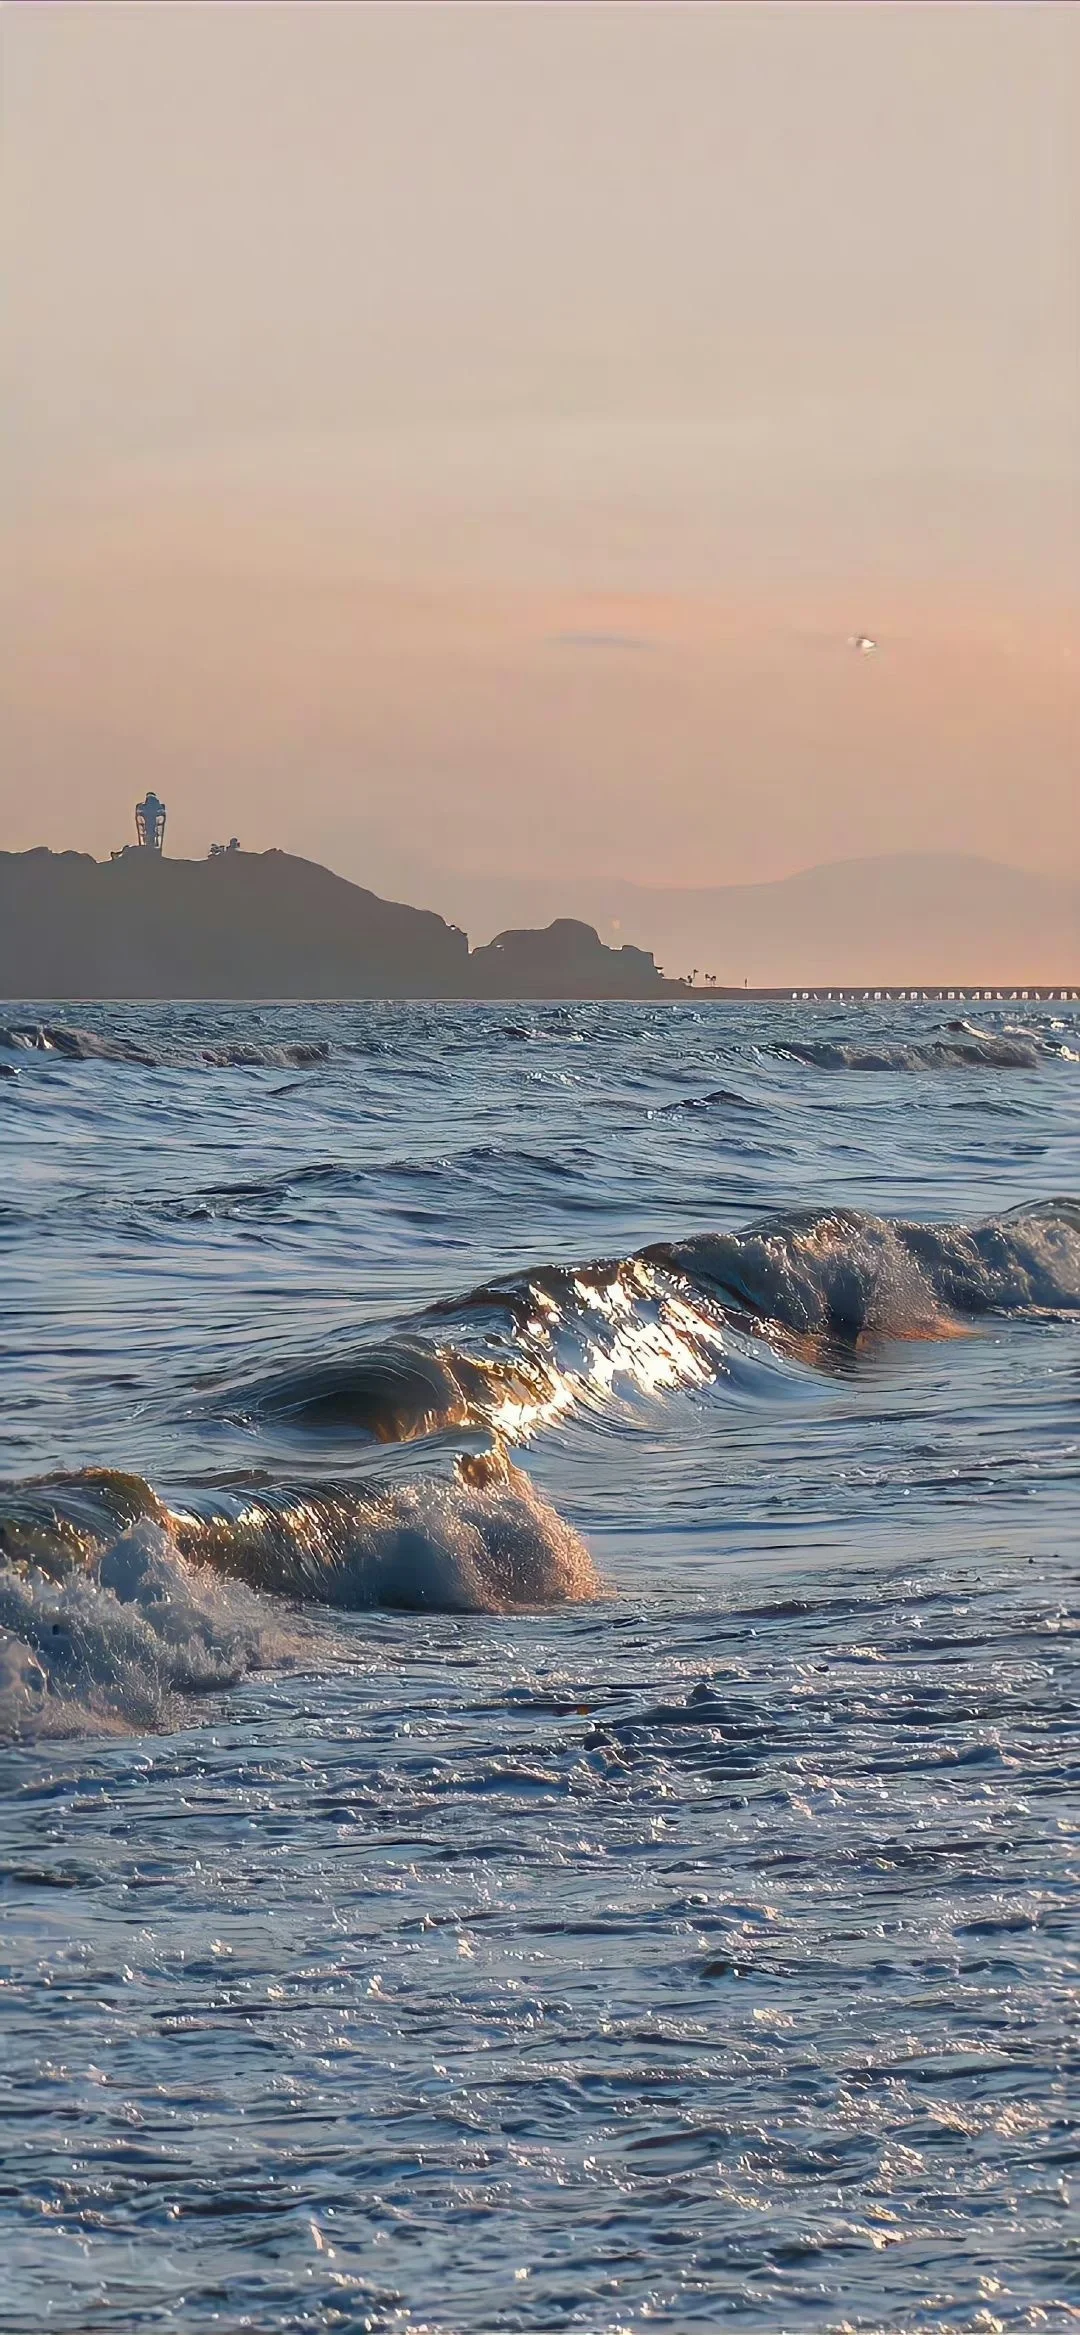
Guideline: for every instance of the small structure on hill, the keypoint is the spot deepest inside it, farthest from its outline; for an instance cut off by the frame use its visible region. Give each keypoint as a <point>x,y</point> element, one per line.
<point>149,828</point>
<point>150,823</point>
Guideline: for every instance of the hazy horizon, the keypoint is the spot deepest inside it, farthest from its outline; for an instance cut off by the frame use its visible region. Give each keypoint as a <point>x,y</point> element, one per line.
<point>459,444</point>
<point>897,918</point>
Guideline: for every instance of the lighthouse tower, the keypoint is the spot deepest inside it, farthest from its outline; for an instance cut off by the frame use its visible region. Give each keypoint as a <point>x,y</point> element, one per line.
<point>150,823</point>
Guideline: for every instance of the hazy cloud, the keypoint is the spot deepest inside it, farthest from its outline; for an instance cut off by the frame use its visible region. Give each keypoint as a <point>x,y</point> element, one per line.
<point>601,640</point>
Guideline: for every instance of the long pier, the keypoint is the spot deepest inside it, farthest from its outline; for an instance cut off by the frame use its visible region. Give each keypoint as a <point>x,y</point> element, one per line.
<point>855,993</point>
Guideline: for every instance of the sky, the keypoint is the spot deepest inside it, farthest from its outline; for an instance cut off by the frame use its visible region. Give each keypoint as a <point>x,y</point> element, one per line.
<point>459,442</point>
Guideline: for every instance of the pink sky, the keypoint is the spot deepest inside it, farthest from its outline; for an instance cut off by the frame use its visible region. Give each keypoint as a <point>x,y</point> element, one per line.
<point>457,442</point>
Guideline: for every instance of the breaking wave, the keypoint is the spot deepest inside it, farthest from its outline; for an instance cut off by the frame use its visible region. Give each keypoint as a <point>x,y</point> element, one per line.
<point>124,1641</point>
<point>117,1607</point>
<point>809,1285</point>
<point>962,1047</point>
<point>837,1272</point>
<point>77,1045</point>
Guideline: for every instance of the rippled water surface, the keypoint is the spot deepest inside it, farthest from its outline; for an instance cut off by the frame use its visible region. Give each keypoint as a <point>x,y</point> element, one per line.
<point>538,1696</point>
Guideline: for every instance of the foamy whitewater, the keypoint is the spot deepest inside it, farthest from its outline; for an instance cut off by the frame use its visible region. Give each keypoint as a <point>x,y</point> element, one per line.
<point>538,1695</point>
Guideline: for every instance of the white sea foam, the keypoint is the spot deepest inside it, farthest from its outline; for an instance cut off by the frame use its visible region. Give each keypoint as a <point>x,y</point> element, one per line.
<point>480,1541</point>
<point>121,1645</point>
<point>818,1270</point>
<point>962,1045</point>
<point>484,1543</point>
<point>171,1610</point>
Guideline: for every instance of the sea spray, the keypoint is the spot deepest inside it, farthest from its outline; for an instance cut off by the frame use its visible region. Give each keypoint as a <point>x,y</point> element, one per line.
<point>119,1627</point>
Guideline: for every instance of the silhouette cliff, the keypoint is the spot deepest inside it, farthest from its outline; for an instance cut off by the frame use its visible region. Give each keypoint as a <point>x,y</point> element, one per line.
<point>247,924</point>
<point>263,924</point>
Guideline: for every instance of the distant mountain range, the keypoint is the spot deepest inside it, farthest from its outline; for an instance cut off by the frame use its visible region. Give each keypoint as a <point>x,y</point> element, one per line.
<point>911,917</point>
<point>265,924</point>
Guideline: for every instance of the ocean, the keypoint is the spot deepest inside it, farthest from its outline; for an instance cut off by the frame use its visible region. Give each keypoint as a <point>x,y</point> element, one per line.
<point>539,1695</point>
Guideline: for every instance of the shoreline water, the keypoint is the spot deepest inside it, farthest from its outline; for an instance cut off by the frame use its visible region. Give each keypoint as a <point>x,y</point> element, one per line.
<point>545,1723</point>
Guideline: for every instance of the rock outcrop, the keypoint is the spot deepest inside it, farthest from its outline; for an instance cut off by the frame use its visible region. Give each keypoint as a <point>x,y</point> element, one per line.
<point>565,959</point>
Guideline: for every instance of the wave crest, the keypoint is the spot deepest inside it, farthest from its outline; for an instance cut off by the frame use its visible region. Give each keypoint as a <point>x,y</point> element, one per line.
<point>73,1044</point>
<point>116,1606</point>
<point>481,1540</point>
<point>962,1047</point>
<point>516,1354</point>
<point>838,1272</point>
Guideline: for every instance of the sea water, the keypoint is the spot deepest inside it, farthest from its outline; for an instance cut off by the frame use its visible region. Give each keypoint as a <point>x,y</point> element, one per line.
<point>538,1548</point>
